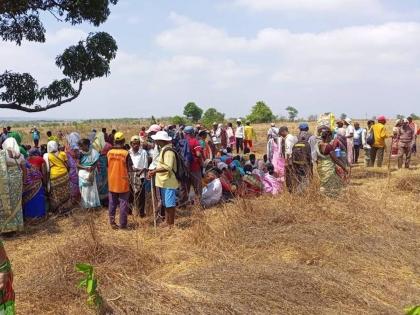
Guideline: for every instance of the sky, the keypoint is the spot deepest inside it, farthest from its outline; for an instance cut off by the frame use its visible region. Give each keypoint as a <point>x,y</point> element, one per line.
<point>359,57</point>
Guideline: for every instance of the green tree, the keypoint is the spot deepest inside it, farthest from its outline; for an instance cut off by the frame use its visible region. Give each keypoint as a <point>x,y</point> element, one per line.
<point>178,120</point>
<point>211,116</point>
<point>414,116</point>
<point>293,112</point>
<point>343,116</point>
<point>87,60</point>
<point>193,112</point>
<point>260,113</point>
<point>399,116</point>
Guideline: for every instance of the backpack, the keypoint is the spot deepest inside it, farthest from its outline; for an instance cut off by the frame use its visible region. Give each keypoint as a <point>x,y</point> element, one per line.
<point>301,153</point>
<point>182,173</point>
<point>370,139</point>
<point>183,149</point>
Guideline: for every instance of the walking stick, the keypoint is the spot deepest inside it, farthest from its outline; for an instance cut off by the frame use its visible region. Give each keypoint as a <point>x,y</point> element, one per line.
<point>153,202</point>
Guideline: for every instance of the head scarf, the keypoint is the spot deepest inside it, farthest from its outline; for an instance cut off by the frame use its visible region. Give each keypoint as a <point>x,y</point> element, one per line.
<point>34,152</point>
<point>52,146</point>
<point>73,140</point>
<point>99,142</point>
<point>237,165</point>
<point>18,138</point>
<point>11,145</point>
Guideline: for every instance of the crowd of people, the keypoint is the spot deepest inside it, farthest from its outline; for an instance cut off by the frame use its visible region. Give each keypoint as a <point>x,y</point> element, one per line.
<point>178,166</point>
<point>182,166</point>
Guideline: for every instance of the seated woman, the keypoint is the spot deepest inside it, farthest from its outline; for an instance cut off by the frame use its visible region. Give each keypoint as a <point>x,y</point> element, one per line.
<point>251,183</point>
<point>212,192</point>
<point>272,184</point>
<point>59,185</point>
<point>329,165</point>
<point>12,172</point>
<point>87,175</point>
<point>226,178</point>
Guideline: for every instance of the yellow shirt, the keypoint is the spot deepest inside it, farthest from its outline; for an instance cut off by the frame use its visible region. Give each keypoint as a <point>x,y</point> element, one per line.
<point>380,134</point>
<point>58,164</point>
<point>249,133</point>
<point>167,179</point>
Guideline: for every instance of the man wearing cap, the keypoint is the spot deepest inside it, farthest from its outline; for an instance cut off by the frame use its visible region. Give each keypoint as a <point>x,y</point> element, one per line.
<point>154,151</point>
<point>305,134</point>
<point>405,143</point>
<point>249,135</point>
<point>239,136</point>
<point>194,167</point>
<point>350,140</point>
<point>165,178</point>
<point>378,147</point>
<point>139,157</point>
<point>119,164</point>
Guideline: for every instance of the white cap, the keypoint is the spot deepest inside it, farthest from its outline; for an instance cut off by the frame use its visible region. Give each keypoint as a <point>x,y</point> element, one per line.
<point>162,135</point>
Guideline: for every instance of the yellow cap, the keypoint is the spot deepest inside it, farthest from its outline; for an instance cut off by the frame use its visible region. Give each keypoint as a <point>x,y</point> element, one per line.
<point>119,136</point>
<point>135,139</point>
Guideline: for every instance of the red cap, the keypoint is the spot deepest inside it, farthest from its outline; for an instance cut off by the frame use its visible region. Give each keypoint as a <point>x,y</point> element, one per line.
<point>381,118</point>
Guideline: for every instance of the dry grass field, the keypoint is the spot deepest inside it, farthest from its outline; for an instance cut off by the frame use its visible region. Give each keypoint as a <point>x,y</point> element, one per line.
<point>357,254</point>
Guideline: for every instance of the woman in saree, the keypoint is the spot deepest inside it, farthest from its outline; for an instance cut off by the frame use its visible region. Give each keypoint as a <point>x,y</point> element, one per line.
<point>272,184</point>
<point>33,197</point>
<point>252,185</point>
<point>18,138</point>
<point>59,184</point>
<point>87,175</point>
<point>276,154</point>
<point>207,151</point>
<point>103,147</point>
<point>329,165</point>
<point>7,294</point>
<point>12,171</point>
<point>72,161</point>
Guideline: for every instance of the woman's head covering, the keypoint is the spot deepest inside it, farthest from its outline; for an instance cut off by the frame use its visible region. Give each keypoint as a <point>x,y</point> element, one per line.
<point>99,142</point>
<point>73,140</point>
<point>11,145</point>
<point>17,136</point>
<point>34,152</point>
<point>52,146</point>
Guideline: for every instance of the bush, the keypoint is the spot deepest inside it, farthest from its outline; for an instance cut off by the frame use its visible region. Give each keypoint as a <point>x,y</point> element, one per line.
<point>261,113</point>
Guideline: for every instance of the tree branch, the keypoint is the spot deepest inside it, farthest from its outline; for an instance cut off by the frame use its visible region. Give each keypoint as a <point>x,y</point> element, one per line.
<point>39,108</point>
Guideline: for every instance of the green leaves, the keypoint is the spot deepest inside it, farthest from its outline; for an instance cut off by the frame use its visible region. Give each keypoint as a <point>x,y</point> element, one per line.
<point>90,284</point>
<point>212,116</point>
<point>193,112</point>
<point>415,310</point>
<point>261,113</point>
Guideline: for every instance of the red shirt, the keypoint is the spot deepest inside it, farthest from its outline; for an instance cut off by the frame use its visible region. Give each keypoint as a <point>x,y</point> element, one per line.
<point>195,149</point>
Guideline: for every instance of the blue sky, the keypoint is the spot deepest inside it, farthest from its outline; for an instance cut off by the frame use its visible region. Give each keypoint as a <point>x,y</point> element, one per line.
<point>355,56</point>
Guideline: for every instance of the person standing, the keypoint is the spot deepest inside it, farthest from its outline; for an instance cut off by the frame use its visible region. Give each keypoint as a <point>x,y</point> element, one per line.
<point>366,146</point>
<point>239,136</point>
<point>415,128</point>
<point>195,165</point>
<point>87,175</point>
<point>139,157</point>
<point>349,134</point>
<point>287,143</point>
<point>165,175</point>
<point>119,163</point>
<point>249,135</point>
<point>357,141</point>
<point>405,144</point>
<point>36,136</point>
<point>230,134</point>
<point>378,147</point>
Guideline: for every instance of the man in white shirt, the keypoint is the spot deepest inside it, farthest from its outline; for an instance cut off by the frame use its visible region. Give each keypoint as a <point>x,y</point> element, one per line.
<point>216,135</point>
<point>366,147</point>
<point>239,135</point>
<point>350,140</point>
<point>212,193</point>
<point>358,134</point>
<point>288,141</point>
<point>140,159</point>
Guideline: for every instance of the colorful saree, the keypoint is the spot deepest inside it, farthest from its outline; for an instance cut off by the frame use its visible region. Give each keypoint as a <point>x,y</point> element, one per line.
<point>7,295</point>
<point>102,174</point>
<point>74,177</point>
<point>60,194</point>
<point>87,180</point>
<point>33,197</point>
<point>11,216</point>
<point>331,183</point>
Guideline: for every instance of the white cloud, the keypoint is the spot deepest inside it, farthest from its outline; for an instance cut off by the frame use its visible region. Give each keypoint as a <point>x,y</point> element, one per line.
<point>311,5</point>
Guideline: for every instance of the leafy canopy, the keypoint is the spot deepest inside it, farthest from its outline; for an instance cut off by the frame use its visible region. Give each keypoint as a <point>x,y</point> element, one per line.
<point>193,112</point>
<point>261,113</point>
<point>293,112</point>
<point>87,60</point>
<point>212,116</point>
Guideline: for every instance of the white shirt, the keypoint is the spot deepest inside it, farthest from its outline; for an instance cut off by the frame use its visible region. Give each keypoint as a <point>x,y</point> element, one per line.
<point>212,193</point>
<point>229,132</point>
<point>140,160</point>
<point>239,133</point>
<point>313,141</point>
<point>290,142</point>
<point>154,154</point>
<point>216,136</point>
<point>349,131</point>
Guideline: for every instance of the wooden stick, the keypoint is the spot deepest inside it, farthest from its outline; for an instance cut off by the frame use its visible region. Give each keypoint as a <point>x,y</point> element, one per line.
<point>153,202</point>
